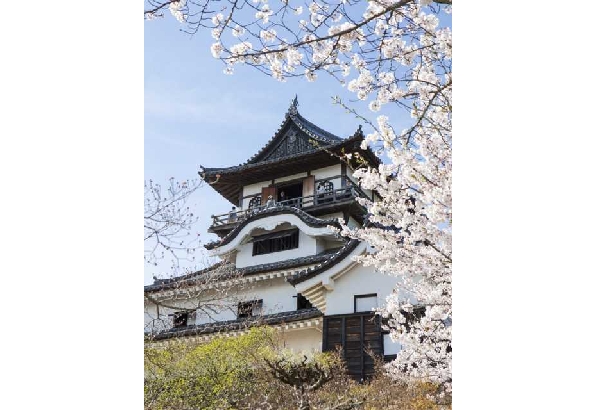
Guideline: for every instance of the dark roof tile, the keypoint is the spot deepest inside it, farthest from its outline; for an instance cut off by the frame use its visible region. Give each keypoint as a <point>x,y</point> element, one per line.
<point>197,277</point>
<point>266,212</point>
<point>228,325</point>
<point>337,257</point>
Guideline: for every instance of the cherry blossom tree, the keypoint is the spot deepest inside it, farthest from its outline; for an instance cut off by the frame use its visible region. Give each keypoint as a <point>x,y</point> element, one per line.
<point>396,54</point>
<point>168,222</point>
<point>169,235</point>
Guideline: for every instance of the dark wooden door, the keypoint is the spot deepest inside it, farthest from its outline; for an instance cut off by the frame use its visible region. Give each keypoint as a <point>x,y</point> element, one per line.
<point>357,335</point>
<point>308,186</point>
<point>266,191</point>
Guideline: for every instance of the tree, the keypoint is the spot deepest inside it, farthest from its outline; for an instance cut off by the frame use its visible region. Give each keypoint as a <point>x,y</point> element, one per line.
<point>168,225</point>
<point>397,53</point>
<point>168,222</point>
<point>254,371</point>
<point>251,371</point>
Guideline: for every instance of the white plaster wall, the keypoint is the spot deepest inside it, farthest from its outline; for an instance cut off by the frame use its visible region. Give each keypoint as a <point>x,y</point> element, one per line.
<point>324,244</point>
<point>165,317</point>
<point>359,280</point>
<point>150,317</point>
<point>301,175</point>
<point>327,172</point>
<point>277,294</point>
<point>254,188</point>
<point>307,246</point>
<point>304,341</point>
<point>320,245</point>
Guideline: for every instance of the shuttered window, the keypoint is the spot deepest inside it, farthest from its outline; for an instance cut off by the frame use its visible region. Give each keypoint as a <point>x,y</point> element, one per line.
<point>276,242</point>
<point>356,335</point>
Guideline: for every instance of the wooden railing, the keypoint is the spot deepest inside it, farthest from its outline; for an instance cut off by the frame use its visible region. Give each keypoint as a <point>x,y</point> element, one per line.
<point>337,195</point>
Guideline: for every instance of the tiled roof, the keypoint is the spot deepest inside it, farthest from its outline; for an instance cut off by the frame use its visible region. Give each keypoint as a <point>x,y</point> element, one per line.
<point>196,277</point>
<point>310,129</point>
<point>228,325</point>
<point>326,139</point>
<point>274,210</point>
<point>337,257</point>
<point>168,283</point>
<point>314,131</point>
<point>247,165</point>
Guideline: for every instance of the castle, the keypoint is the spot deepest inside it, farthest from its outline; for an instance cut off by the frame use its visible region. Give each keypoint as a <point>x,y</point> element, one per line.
<point>282,262</point>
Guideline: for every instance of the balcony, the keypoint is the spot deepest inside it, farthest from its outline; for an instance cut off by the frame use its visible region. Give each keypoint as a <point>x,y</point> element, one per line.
<point>322,202</point>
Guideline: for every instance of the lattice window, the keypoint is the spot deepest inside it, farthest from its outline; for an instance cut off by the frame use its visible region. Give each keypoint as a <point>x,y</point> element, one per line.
<point>324,192</point>
<point>255,202</point>
<point>275,242</point>
<point>251,308</point>
<point>325,187</point>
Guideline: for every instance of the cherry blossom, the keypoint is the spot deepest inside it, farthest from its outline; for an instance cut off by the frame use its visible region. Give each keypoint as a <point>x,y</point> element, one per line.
<point>393,54</point>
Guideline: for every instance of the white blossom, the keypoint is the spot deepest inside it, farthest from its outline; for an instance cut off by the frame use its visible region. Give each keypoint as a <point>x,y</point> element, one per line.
<point>217,19</point>
<point>237,31</point>
<point>398,59</point>
<point>264,14</point>
<point>176,10</point>
<point>268,35</point>
<point>310,75</point>
<point>216,33</point>
<point>216,49</point>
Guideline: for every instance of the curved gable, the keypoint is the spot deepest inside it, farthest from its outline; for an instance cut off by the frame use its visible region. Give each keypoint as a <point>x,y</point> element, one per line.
<point>270,218</point>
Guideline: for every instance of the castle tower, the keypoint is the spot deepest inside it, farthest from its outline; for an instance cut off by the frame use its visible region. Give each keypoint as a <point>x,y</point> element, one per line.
<point>282,260</point>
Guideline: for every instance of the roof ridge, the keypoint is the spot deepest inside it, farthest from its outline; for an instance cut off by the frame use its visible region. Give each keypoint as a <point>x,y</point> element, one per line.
<point>165,281</point>
<point>191,279</point>
<point>308,273</point>
<point>270,161</point>
<point>309,128</point>
<point>327,136</point>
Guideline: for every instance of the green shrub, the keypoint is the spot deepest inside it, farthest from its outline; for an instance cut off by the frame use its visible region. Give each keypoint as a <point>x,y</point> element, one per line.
<point>253,371</point>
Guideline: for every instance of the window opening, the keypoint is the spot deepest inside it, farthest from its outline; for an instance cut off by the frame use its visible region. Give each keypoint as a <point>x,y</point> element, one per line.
<point>250,309</point>
<point>302,302</point>
<point>365,303</point>
<point>324,192</point>
<point>180,319</point>
<point>290,195</point>
<point>275,242</point>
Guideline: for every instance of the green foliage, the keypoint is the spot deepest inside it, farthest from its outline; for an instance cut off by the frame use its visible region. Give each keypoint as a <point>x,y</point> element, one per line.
<point>214,375</point>
<point>253,371</point>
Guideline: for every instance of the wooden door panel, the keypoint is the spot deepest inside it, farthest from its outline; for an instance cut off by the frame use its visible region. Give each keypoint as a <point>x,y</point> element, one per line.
<point>308,186</point>
<point>356,334</point>
<point>266,191</point>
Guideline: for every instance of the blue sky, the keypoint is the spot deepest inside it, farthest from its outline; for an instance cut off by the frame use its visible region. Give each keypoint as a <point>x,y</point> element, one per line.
<point>197,115</point>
